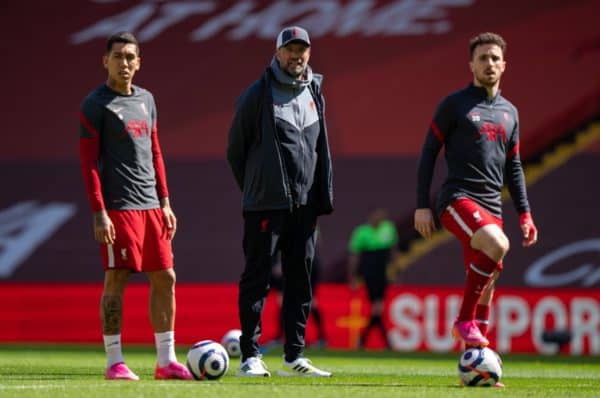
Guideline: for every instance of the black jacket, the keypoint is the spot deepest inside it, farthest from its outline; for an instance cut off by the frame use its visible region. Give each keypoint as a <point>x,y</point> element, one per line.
<point>255,157</point>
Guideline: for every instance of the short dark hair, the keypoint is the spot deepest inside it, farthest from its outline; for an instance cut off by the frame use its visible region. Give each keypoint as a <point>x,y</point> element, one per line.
<point>122,37</point>
<point>487,38</point>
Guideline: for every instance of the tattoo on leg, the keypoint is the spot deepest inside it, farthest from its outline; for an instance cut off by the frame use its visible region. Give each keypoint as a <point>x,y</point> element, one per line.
<point>111,312</point>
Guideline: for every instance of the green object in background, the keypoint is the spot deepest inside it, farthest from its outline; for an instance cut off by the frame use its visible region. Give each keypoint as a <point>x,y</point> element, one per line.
<point>366,237</point>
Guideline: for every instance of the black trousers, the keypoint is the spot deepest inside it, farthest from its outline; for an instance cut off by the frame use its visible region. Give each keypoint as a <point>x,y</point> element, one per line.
<point>373,269</point>
<point>265,234</point>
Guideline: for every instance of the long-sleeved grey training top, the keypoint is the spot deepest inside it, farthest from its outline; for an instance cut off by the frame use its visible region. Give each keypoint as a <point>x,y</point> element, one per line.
<point>481,140</point>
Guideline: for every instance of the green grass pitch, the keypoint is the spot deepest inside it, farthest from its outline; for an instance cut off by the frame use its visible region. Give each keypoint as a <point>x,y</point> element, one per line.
<point>76,371</point>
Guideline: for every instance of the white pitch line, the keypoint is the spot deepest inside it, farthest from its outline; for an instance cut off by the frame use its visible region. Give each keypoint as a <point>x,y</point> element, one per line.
<point>87,385</point>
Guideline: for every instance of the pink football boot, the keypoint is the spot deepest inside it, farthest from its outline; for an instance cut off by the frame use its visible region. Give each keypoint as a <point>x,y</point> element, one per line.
<point>120,371</point>
<point>469,333</point>
<point>173,370</point>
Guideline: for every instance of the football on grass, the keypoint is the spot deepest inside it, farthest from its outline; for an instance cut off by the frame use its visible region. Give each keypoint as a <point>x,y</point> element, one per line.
<point>479,367</point>
<point>207,360</point>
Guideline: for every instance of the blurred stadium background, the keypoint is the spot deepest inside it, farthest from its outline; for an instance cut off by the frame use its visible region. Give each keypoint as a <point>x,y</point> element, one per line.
<point>386,64</point>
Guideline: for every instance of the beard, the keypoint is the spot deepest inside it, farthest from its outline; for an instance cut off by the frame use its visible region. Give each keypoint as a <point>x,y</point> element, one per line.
<point>295,71</point>
<point>488,81</point>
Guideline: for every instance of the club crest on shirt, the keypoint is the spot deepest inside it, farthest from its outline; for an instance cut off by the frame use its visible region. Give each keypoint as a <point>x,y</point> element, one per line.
<point>124,254</point>
<point>475,116</point>
<point>492,131</point>
<point>143,106</point>
<point>137,128</point>
<point>477,216</point>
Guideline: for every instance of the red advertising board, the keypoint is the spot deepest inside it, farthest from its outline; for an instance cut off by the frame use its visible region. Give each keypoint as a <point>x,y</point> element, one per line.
<point>417,318</point>
<point>421,319</point>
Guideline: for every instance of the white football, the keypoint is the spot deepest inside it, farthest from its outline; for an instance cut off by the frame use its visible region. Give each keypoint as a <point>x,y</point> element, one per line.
<point>479,367</point>
<point>231,342</point>
<point>207,360</point>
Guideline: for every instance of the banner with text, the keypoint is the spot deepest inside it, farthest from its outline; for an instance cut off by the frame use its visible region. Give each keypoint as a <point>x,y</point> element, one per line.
<point>418,319</point>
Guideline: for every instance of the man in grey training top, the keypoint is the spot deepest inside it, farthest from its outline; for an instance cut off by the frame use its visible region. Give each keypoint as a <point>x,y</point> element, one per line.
<point>125,180</point>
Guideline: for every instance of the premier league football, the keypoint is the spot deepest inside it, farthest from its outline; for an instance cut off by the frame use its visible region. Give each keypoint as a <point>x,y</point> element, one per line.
<point>337,198</point>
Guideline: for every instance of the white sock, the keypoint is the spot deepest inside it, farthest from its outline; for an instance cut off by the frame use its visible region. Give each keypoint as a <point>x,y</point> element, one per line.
<point>165,348</point>
<point>112,346</point>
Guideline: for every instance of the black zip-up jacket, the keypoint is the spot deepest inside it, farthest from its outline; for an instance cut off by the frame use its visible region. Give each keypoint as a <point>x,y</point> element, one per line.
<point>255,156</point>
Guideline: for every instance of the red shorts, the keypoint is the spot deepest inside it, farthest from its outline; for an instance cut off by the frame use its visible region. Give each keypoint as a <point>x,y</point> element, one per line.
<point>141,242</point>
<point>463,218</point>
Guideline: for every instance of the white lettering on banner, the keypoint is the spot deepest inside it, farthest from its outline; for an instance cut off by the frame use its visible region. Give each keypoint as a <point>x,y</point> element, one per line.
<point>404,312</point>
<point>234,15</point>
<point>350,18</point>
<point>416,322</point>
<point>587,274</point>
<point>547,307</point>
<point>434,341</point>
<point>409,332</point>
<point>25,226</point>
<point>330,17</point>
<point>268,22</point>
<point>129,20</point>
<point>402,17</point>
<point>513,319</point>
<point>171,14</point>
<point>585,322</point>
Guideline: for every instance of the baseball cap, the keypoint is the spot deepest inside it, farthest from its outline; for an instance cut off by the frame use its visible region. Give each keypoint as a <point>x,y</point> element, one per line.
<point>290,34</point>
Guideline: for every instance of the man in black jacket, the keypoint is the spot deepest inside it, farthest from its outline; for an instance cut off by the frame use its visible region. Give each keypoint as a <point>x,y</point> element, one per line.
<point>279,154</point>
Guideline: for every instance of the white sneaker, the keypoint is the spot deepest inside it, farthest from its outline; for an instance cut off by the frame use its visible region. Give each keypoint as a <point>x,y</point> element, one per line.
<point>302,367</point>
<point>253,367</point>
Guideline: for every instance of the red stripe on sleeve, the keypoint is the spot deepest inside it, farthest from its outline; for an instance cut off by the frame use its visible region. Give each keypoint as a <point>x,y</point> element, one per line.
<point>159,165</point>
<point>437,132</point>
<point>89,149</point>
<point>87,125</point>
<point>514,151</point>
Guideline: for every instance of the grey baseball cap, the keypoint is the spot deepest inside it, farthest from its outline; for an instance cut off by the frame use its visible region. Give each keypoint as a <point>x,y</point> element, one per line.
<point>290,34</point>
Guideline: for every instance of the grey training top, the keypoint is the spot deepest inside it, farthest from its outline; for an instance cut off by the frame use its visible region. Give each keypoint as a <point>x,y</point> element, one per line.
<point>124,125</point>
<point>297,125</point>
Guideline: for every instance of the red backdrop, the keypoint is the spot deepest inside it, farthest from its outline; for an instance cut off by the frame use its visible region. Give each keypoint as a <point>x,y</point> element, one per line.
<point>418,318</point>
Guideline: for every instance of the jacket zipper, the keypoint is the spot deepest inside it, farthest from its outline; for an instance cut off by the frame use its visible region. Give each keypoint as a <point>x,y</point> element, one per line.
<point>286,183</point>
<point>302,149</point>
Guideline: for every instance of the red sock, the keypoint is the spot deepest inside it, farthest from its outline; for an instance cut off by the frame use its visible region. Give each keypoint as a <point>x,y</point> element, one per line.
<point>482,315</point>
<point>478,276</point>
